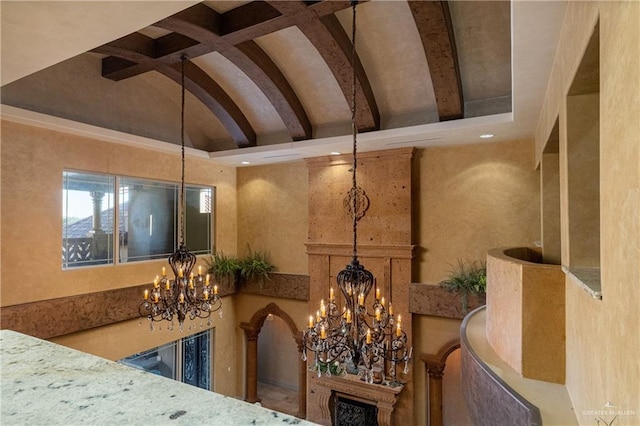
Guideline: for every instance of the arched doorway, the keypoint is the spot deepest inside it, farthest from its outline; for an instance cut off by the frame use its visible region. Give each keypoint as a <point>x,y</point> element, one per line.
<point>252,331</point>
<point>435,368</point>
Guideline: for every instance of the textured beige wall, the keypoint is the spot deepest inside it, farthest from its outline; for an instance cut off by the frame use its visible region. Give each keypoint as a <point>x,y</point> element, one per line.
<point>583,180</point>
<point>473,198</point>
<point>526,315</point>
<point>602,335</point>
<point>272,214</point>
<point>32,163</point>
<point>33,160</point>
<point>550,207</point>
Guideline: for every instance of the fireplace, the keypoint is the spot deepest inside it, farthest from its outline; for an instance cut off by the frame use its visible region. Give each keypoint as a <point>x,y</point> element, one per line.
<point>345,400</point>
<point>350,411</point>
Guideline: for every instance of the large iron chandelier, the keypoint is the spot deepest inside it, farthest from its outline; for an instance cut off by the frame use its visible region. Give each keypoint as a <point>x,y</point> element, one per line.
<point>369,342</point>
<point>187,294</point>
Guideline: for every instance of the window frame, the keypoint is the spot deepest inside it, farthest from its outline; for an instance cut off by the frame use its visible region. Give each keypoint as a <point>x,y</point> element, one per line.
<point>116,238</point>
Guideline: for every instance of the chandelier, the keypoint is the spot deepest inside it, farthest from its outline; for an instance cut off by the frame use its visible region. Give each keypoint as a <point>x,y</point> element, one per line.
<point>369,342</point>
<point>187,294</point>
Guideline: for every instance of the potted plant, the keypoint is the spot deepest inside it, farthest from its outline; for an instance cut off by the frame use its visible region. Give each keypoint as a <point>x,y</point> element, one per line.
<point>256,265</point>
<point>467,278</point>
<point>224,268</point>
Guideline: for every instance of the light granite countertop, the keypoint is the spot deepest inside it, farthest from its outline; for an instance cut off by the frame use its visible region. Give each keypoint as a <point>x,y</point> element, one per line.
<point>45,383</point>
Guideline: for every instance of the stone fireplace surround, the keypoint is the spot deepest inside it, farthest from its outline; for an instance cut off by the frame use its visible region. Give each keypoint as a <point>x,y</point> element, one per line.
<point>384,248</point>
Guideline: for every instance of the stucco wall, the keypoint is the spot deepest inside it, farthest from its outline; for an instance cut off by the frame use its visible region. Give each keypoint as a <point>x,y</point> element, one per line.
<point>272,214</point>
<point>603,374</point>
<point>470,199</point>
<point>32,163</point>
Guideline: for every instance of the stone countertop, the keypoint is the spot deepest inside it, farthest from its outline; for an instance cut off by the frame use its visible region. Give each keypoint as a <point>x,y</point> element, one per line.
<point>45,383</point>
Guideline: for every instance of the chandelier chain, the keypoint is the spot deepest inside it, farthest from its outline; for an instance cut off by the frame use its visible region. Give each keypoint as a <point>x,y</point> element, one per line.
<point>183,59</point>
<point>354,130</point>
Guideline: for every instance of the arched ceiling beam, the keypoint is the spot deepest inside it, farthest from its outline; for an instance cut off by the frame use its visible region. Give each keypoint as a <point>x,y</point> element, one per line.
<point>135,49</point>
<point>333,44</point>
<point>200,30</point>
<point>436,31</point>
<point>202,24</point>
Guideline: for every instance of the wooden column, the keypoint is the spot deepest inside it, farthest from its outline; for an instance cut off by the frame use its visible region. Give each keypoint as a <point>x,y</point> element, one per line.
<point>302,382</point>
<point>434,366</point>
<point>252,365</point>
<point>435,371</point>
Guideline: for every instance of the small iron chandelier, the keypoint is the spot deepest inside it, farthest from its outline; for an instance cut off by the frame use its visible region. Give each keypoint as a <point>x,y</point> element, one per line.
<point>186,295</point>
<point>356,339</point>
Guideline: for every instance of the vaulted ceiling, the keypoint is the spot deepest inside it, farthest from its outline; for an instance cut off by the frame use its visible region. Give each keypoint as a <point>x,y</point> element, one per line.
<point>271,81</point>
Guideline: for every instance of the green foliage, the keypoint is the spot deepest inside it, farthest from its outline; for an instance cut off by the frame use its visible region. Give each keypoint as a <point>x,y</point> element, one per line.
<point>223,267</point>
<point>256,265</point>
<point>465,278</point>
<point>468,277</point>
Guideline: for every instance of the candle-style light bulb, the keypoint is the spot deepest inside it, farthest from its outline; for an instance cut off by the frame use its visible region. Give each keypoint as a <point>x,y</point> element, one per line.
<point>377,293</point>
<point>310,321</point>
<point>146,295</point>
<point>368,336</point>
<point>382,302</point>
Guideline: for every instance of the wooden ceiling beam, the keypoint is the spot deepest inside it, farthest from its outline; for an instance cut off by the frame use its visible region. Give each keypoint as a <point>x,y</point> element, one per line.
<point>255,63</point>
<point>203,87</point>
<point>259,67</point>
<point>332,42</point>
<point>436,32</point>
<point>199,30</point>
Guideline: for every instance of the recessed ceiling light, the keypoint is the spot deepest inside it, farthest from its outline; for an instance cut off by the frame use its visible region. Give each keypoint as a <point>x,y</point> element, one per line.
<point>245,163</point>
<point>486,136</point>
<point>335,153</point>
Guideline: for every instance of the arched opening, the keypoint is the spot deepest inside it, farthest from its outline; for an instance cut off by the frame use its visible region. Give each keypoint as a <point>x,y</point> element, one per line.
<point>445,404</point>
<point>252,331</point>
<point>278,383</point>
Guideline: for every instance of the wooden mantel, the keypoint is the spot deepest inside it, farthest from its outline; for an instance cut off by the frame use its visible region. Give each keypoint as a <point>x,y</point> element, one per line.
<point>381,396</point>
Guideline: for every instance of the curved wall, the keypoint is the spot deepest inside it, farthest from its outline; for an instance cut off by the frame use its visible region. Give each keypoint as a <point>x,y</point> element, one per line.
<point>526,313</point>
<point>489,399</point>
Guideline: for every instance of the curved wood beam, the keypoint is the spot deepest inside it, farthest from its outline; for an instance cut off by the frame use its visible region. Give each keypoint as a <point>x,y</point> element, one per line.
<point>201,23</point>
<point>436,31</point>
<point>200,30</point>
<point>134,49</point>
<point>216,99</point>
<point>328,36</point>
<point>259,67</point>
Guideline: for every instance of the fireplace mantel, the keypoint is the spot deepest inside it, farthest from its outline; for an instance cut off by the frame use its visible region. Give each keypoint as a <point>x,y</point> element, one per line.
<point>381,396</point>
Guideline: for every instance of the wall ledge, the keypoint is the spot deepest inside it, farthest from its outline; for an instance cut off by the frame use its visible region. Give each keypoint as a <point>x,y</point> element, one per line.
<point>433,300</point>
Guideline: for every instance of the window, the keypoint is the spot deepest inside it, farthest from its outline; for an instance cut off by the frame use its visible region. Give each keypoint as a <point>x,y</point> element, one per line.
<point>187,360</point>
<point>148,212</point>
<point>147,215</point>
<point>87,219</point>
<point>198,219</point>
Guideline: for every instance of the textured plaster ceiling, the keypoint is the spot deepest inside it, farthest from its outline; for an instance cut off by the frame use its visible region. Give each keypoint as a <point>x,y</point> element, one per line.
<point>296,73</point>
